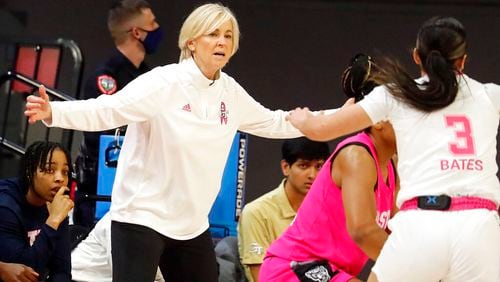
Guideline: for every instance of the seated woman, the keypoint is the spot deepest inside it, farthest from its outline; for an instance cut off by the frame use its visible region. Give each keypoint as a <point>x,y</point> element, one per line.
<point>34,211</point>
<point>340,225</point>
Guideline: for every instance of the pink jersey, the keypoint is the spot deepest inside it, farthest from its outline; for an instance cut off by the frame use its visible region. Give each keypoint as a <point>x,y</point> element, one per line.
<point>319,230</point>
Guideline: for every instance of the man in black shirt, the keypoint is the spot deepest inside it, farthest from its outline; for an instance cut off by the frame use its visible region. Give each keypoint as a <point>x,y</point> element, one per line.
<point>135,32</point>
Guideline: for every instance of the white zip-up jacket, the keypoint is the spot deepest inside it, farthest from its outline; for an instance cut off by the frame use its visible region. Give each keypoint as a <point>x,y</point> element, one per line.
<point>180,129</point>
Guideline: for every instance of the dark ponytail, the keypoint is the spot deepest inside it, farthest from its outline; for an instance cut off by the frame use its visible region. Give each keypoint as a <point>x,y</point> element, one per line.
<point>440,43</point>
<point>356,79</point>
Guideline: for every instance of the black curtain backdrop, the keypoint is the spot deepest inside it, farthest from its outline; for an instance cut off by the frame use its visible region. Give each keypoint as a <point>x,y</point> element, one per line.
<point>292,53</point>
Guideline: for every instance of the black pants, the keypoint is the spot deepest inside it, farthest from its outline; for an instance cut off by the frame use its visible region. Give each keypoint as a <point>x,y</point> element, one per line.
<point>137,251</point>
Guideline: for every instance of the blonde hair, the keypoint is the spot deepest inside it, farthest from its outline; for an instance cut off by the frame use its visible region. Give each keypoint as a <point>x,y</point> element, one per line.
<point>204,20</point>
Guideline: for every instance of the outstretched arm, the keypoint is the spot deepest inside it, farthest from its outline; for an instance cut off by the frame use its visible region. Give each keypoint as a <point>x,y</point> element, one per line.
<point>347,120</point>
<point>38,107</point>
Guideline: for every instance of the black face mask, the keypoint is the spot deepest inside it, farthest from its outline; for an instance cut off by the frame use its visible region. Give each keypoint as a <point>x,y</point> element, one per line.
<point>152,40</point>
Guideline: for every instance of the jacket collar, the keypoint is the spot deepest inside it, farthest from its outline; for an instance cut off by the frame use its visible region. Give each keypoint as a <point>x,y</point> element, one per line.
<point>197,77</point>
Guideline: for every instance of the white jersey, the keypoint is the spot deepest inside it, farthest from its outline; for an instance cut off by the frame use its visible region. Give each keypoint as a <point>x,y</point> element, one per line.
<point>451,151</point>
<point>180,129</point>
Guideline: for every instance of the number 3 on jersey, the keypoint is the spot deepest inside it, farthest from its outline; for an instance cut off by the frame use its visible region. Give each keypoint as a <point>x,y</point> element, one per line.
<point>464,144</point>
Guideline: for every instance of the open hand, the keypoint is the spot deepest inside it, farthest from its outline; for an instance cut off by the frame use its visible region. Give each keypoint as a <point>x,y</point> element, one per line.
<point>38,107</point>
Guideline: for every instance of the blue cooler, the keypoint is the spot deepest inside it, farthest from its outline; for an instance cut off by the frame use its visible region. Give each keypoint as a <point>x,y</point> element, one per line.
<point>109,150</point>
<point>227,208</point>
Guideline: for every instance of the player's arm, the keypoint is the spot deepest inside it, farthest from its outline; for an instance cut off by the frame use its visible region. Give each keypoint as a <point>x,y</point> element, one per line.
<point>354,170</point>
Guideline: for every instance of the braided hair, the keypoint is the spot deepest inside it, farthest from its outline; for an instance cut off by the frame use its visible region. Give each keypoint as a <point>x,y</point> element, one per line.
<point>36,156</point>
<point>357,77</point>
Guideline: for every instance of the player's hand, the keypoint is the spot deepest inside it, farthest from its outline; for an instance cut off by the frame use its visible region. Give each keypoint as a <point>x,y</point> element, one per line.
<point>59,208</point>
<point>38,107</point>
<point>298,116</point>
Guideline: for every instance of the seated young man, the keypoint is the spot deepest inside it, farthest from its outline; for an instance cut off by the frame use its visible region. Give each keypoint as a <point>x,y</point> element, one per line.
<point>265,218</point>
